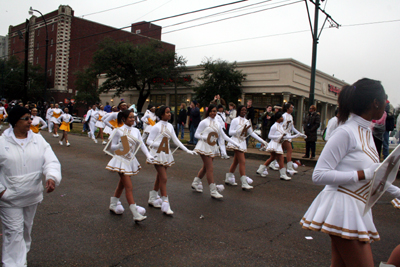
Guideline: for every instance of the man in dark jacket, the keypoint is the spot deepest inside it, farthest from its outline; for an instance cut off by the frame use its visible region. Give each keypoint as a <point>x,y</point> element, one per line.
<point>181,121</point>
<point>311,124</point>
<point>195,121</point>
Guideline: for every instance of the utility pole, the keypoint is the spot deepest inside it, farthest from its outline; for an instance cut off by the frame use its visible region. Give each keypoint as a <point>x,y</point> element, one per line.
<point>315,36</point>
<point>24,97</point>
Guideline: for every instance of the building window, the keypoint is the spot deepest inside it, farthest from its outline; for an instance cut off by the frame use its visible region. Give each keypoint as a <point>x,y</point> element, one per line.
<point>51,42</point>
<point>37,60</point>
<point>51,57</point>
<point>52,27</point>
<point>37,46</point>
<point>38,31</point>
<point>137,31</point>
<point>50,72</point>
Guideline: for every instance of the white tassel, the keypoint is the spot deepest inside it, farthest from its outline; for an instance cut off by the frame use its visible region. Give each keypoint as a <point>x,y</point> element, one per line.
<point>232,180</point>
<point>249,180</point>
<point>200,186</point>
<point>291,172</point>
<point>220,188</point>
<point>295,166</point>
<point>141,210</point>
<point>157,202</point>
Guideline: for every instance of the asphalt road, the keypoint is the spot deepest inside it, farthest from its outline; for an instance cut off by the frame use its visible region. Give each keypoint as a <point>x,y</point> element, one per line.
<point>73,226</point>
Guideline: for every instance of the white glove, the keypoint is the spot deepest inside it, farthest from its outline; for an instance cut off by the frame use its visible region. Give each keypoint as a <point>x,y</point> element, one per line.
<point>265,143</point>
<point>235,144</point>
<point>304,136</point>
<point>191,152</point>
<point>150,159</point>
<point>369,172</point>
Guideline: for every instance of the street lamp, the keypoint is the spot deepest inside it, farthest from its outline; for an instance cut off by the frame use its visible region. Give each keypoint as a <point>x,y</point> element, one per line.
<point>31,10</point>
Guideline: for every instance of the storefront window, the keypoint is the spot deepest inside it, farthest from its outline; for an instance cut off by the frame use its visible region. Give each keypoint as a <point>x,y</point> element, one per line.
<point>158,100</point>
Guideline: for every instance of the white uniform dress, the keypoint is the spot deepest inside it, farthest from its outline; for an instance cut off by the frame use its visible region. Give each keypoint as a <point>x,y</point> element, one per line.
<point>147,123</point>
<point>121,166</point>
<point>207,133</point>
<point>240,129</point>
<point>3,113</point>
<point>36,122</point>
<point>161,135</point>
<point>111,122</point>
<point>91,118</point>
<point>288,125</point>
<point>276,135</point>
<point>332,125</point>
<point>99,118</point>
<point>338,209</point>
<point>49,113</point>
<point>55,114</point>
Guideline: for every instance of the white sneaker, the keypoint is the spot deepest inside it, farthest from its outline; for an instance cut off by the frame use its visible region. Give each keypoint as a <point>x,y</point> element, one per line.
<point>283,175</point>
<point>68,144</point>
<point>265,173</point>
<point>89,135</point>
<point>230,179</point>
<point>290,167</point>
<point>94,140</point>
<point>137,217</point>
<point>214,192</point>
<point>104,143</point>
<point>384,264</point>
<point>197,185</point>
<point>245,185</point>
<point>54,135</point>
<point>225,157</point>
<point>154,199</point>
<point>57,135</point>
<point>261,169</point>
<point>60,142</point>
<point>272,166</point>
<point>116,206</point>
<point>166,208</point>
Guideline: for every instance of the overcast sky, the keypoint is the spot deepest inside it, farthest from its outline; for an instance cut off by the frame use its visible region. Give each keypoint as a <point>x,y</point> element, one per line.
<point>349,53</point>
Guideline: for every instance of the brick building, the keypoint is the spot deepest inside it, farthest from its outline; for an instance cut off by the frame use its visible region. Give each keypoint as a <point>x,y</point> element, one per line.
<point>72,42</point>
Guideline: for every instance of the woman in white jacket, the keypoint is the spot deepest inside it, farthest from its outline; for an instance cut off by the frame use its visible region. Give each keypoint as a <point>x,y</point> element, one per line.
<point>158,142</point>
<point>26,158</point>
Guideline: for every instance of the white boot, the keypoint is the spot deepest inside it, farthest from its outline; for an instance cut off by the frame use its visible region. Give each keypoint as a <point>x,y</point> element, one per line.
<point>137,217</point>
<point>197,185</point>
<point>166,208</point>
<point>213,191</point>
<point>116,206</point>
<point>261,169</point>
<point>154,199</point>
<point>245,185</point>
<point>283,175</point>
<point>384,264</point>
<point>290,167</point>
<point>230,179</point>
<point>272,165</point>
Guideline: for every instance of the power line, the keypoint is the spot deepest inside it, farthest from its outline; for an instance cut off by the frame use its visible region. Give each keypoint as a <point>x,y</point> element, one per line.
<point>153,10</point>
<point>235,16</point>
<point>98,12</point>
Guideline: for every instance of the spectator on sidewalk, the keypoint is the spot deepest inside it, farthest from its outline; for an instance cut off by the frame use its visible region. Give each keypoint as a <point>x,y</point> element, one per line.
<point>266,119</point>
<point>181,121</point>
<point>311,124</point>
<point>332,125</point>
<point>230,115</point>
<point>218,101</point>
<point>194,121</point>
<point>107,107</point>
<point>389,123</point>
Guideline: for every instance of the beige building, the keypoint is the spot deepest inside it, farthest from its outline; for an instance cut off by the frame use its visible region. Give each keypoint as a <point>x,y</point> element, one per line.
<point>268,82</point>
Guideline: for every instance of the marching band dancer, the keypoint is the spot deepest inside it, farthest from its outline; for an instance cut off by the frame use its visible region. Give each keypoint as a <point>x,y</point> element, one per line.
<point>37,122</point>
<point>65,120</point>
<point>207,133</point>
<point>277,135</point>
<point>240,129</point>
<point>158,142</point>
<point>288,127</point>
<point>346,167</point>
<point>49,114</point>
<point>3,114</point>
<point>91,119</point>
<point>126,170</point>
<point>221,117</point>
<point>149,120</point>
<point>55,114</point>
<point>99,122</point>
<point>111,120</point>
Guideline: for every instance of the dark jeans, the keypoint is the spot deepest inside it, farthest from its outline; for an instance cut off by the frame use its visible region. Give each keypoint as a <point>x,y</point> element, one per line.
<point>180,129</point>
<point>193,129</point>
<point>378,145</point>
<point>310,146</point>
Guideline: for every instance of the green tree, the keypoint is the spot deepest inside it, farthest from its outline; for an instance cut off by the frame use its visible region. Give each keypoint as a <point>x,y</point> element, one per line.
<point>86,84</point>
<point>129,66</point>
<point>219,77</point>
<point>12,77</point>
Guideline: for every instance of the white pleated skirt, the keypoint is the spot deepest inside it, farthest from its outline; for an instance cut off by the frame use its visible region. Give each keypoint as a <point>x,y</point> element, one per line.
<point>161,158</point>
<point>204,148</point>
<point>274,147</point>
<point>242,144</point>
<point>339,214</point>
<point>120,166</point>
<point>100,124</point>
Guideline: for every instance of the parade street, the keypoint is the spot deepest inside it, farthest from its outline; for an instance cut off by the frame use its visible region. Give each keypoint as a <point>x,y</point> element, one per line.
<point>73,225</point>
